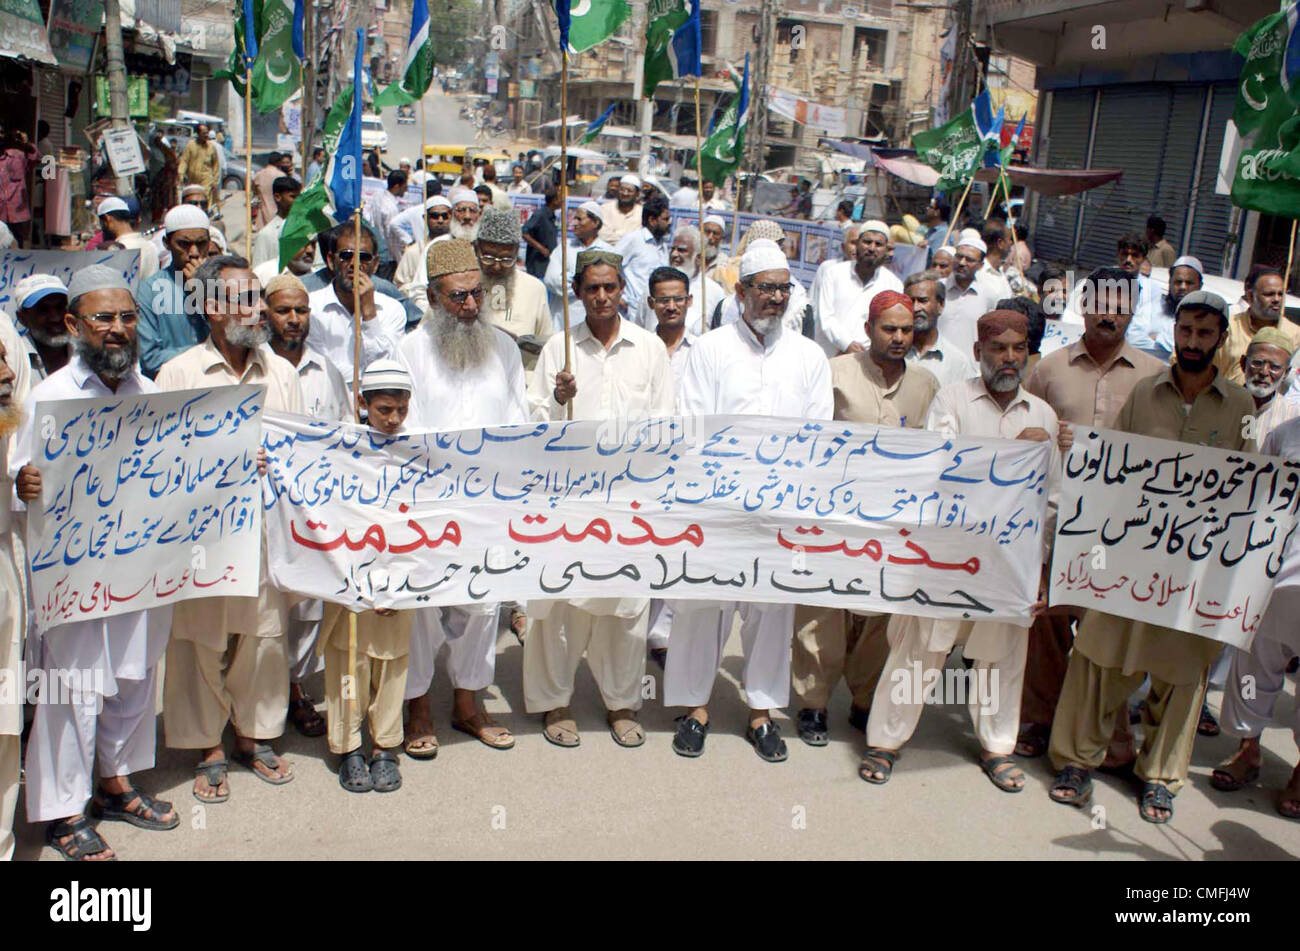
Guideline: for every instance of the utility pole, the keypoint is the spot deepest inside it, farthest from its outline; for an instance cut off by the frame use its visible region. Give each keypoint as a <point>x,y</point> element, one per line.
<point>117,104</point>
<point>756,144</point>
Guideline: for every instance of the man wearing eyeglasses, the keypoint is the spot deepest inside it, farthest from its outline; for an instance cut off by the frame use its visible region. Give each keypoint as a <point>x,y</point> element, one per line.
<point>227,661</point>
<point>170,321</point>
<point>383,320</point>
<point>752,366</point>
<point>513,299</point>
<point>684,255</point>
<point>67,737</point>
<point>1265,364</point>
<point>412,276</point>
<point>469,375</point>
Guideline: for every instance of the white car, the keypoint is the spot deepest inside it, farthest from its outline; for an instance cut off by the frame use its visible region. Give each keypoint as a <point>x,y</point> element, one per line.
<point>373,134</point>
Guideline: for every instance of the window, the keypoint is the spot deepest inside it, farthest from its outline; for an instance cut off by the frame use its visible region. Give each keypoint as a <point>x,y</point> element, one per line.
<point>708,32</point>
<point>873,42</point>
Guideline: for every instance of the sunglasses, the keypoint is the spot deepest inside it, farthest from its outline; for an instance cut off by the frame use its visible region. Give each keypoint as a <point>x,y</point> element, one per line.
<point>347,254</point>
<point>107,319</point>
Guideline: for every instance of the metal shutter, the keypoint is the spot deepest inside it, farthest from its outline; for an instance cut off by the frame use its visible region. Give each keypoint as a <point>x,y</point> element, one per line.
<point>1131,130</point>
<point>1053,232</point>
<point>1213,212</point>
<point>52,100</point>
<point>1182,136</point>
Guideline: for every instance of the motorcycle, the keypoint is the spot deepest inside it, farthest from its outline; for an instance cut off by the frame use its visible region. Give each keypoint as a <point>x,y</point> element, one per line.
<point>406,115</point>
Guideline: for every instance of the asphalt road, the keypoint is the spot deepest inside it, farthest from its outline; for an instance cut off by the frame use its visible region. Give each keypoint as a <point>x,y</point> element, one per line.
<point>602,801</point>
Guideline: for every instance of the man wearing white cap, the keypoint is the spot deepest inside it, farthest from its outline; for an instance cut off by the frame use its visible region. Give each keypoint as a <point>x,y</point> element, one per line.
<point>714,229</point>
<point>622,216</point>
<point>228,661</point>
<point>111,722</point>
<point>469,375</point>
<point>587,230</point>
<point>684,254</point>
<point>619,372</point>
<point>41,301</point>
<point>465,211</point>
<point>168,327</point>
<point>1152,330</point>
<point>848,252</point>
<point>412,276</point>
<point>968,294</point>
<point>941,260</point>
<point>845,294</point>
<point>118,224</point>
<point>732,371</point>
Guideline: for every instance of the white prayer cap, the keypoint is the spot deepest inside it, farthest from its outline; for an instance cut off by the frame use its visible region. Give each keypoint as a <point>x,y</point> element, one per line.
<point>194,190</point>
<point>403,161</point>
<point>463,196</point>
<point>385,374</point>
<point>947,249</point>
<point>183,217</point>
<point>437,201</point>
<point>629,179</point>
<point>970,238</point>
<point>593,209</point>
<point>875,225</point>
<point>112,203</point>
<point>1188,261</point>
<point>97,277</point>
<point>35,287</point>
<point>763,255</point>
<point>714,220</point>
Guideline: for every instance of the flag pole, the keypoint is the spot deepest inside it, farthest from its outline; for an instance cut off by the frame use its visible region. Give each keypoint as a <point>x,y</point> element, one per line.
<point>993,194</point>
<point>424,162</point>
<point>356,410</point>
<point>699,188</point>
<point>564,210</point>
<point>956,212</point>
<point>248,162</point>
<point>1290,254</point>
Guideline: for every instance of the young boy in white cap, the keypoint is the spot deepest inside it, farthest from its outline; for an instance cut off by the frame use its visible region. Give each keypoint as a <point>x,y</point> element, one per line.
<point>374,688</point>
<point>167,326</point>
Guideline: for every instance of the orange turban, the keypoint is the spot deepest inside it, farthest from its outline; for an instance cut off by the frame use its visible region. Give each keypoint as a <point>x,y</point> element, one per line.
<point>885,300</point>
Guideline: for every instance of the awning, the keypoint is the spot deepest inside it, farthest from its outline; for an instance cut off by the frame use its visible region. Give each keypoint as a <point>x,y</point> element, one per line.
<point>675,141</point>
<point>23,33</point>
<point>1054,181</point>
<point>909,170</point>
<point>555,123</point>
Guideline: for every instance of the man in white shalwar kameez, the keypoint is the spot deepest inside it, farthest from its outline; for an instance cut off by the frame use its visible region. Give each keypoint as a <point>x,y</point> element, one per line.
<point>13,618</point>
<point>754,366</point>
<point>620,371</point>
<point>468,374</point>
<point>112,660</point>
<point>991,405</point>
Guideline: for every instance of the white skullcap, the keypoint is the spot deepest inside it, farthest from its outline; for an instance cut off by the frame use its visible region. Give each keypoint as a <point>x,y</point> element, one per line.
<point>1188,261</point>
<point>714,220</point>
<point>593,209</point>
<point>461,196</point>
<point>183,217</point>
<point>385,374</point>
<point>437,201</point>
<point>630,179</point>
<point>874,225</point>
<point>947,249</point>
<point>763,255</point>
<point>112,204</point>
<point>403,161</point>
<point>194,190</point>
<point>970,238</point>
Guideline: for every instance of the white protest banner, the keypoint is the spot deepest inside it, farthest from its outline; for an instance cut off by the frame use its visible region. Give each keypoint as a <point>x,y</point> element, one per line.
<point>1183,536</point>
<point>722,507</point>
<point>123,150</point>
<point>17,264</point>
<point>147,500</point>
<point>1057,335</point>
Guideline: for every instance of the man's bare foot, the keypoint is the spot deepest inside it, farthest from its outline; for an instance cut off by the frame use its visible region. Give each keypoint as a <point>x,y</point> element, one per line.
<point>279,773</point>
<point>1240,769</point>
<point>62,843</point>
<point>756,718</point>
<point>1289,804</point>
<point>203,788</point>
<point>700,715</point>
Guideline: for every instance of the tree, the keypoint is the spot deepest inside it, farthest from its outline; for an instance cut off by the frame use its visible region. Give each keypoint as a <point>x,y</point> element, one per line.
<point>451,22</point>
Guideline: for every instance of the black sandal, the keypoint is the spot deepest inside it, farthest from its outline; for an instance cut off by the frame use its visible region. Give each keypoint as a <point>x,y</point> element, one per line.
<point>384,774</point>
<point>875,760</point>
<point>1158,796</point>
<point>113,806</point>
<point>813,728</point>
<point>1077,780</point>
<point>261,753</point>
<point>215,772</point>
<point>1032,741</point>
<point>85,840</point>
<point>305,719</point>
<point>354,775</point>
<point>1002,779</point>
<point>1207,725</point>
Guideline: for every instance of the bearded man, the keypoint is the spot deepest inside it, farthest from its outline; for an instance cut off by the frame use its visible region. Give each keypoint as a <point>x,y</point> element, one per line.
<point>465,213</point>
<point>411,276</point>
<point>468,374</point>
<point>684,255</point>
<point>513,299</point>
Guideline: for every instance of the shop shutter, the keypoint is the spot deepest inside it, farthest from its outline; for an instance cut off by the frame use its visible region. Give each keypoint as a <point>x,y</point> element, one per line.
<point>1213,212</point>
<point>1052,234</point>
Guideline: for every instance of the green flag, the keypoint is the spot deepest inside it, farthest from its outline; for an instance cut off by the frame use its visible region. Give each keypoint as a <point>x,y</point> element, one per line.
<point>663,17</point>
<point>277,72</point>
<point>723,150</point>
<point>234,70</point>
<point>417,63</point>
<point>592,22</point>
<point>1267,176</point>
<point>308,216</point>
<point>954,150</point>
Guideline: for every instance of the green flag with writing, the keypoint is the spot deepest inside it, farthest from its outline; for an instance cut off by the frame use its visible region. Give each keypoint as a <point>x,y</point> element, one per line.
<point>954,150</point>
<point>277,71</point>
<point>1267,175</point>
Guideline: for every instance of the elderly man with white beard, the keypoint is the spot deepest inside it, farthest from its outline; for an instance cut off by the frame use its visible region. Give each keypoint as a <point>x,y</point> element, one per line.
<point>115,726</point>
<point>228,659</point>
<point>684,254</point>
<point>1265,364</point>
<point>755,366</point>
<point>994,404</point>
<point>13,620</point>
<point>620,372</point>
<point>465,212</point>
<point>468,374</point>
<point>513,299</point>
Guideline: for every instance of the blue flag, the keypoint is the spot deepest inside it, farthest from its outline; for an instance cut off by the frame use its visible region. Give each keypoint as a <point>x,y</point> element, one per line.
<point>685,47</point>
<point>299,15</point>
<point>344,176</point>
<point>250,34</point>
<point>593,130</point>
<point>562,14</point>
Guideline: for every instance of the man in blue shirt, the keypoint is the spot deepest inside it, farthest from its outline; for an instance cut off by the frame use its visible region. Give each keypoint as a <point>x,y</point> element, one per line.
<point>167,327</point>
<point>644,250</point>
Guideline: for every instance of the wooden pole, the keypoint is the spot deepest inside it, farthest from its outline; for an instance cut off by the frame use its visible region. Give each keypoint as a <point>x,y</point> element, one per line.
<point>699,188</point>
<point>564,212</point>
<point>356,409</point>
<point>956,212</point>
<point>248,163</point>
<point>1290,255</point>
<point>424,164</point>
<point>993,194</point>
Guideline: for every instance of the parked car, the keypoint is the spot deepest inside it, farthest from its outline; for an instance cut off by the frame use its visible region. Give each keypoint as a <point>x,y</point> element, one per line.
<point>373,133</point>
